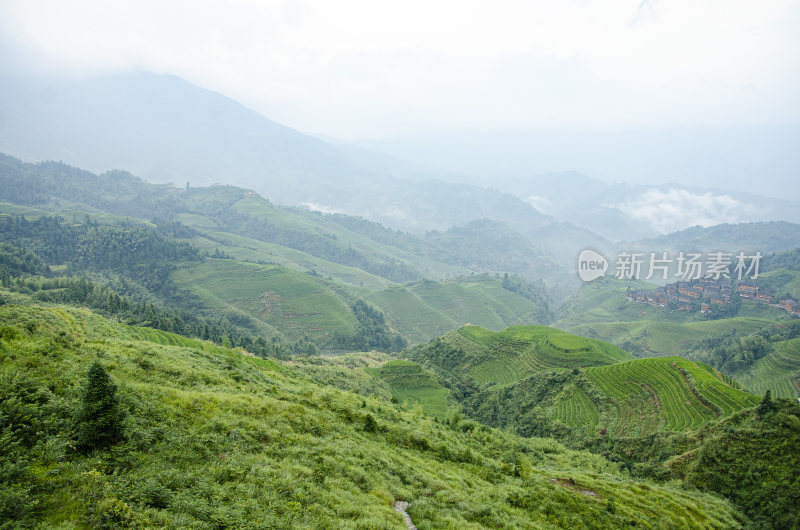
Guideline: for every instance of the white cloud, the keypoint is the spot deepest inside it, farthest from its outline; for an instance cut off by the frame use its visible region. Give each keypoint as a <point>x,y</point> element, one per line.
<point>362,68</point>
<point>543,204</point>
<point>314,207</point>
<point>672,210</point>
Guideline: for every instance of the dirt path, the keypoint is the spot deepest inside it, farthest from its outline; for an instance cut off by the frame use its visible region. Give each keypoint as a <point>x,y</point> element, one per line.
<point>400,507</point>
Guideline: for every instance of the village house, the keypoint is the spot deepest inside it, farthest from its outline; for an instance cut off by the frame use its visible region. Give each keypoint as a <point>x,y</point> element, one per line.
<point>791,305</point>
<point>765,295</point>
<point>688,291</point>
<point>747,290</point>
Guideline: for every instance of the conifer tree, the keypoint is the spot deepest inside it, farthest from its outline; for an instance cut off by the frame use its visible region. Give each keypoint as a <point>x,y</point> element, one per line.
<point>100,419</point>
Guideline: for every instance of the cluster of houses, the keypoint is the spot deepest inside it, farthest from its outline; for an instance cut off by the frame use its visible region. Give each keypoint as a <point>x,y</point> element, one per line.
<point>708,295</point>
<point>753,291</point>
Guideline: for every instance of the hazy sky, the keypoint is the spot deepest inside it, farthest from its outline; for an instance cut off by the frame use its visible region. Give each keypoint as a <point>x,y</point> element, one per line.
<point>358,69</point>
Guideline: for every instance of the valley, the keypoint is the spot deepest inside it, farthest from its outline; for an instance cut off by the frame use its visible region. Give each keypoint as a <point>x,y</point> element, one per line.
<point>279,342</point>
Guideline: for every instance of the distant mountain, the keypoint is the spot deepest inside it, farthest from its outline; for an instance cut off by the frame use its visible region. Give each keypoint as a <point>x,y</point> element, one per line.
<point>767,237</point>
<point>267,269</point>
<point>743,158</point>
<point>168,130</point>
<point>633,211</point>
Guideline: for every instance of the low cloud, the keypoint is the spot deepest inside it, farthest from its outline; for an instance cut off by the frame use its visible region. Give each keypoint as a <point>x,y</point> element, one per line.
<point>314,207</point>
<point>542,204</point>
<point>671,210</point>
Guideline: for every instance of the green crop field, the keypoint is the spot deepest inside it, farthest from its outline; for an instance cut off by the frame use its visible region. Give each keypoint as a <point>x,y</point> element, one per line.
<point>295,303</point>
<point>666,393</point>
<point>478,300</point>
<point>505,357</point>
<point>412,385</point>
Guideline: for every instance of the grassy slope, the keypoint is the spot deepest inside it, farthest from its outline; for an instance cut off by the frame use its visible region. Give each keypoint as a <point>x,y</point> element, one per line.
<point>408,313</point>
<point>604,300</point>
<point>419,311</point>
<point>217,438</point>
<point>783,281</point>
<point>297,303</point>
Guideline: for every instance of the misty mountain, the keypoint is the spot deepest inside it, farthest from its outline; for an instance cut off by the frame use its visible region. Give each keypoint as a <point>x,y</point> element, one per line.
<point>167,130</point>
<point>769,237</point>
<point>735,157</point>
<point>635,211</point>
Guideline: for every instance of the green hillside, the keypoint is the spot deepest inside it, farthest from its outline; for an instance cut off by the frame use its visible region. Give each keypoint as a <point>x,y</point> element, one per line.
<point>600,310</point>
<point>605,300</point>
<point>288,272</point>
<point>300,304</point>
<point>525,377</point>
<point>247,249</point>
<point>214,438</point>
<point>655,337</point>
<point>784,281</point>
<point>502,358</point>
<point>628,399</point>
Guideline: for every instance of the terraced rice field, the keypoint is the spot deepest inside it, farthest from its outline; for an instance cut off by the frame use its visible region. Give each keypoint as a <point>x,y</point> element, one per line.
<point>483,302</point>
<point>666,393</point>
<point>295,303</point>
<point>429,309</point>
<point>521,351</point>
<point>778,372</point>
<point>574,407</point>
<point>669,338</point>
<point>410,315</point>
<point>412,385</point>
<point>243,248</point>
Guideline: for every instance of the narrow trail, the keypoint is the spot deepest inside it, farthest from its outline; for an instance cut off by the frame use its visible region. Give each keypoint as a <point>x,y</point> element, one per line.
<point>400,507</point>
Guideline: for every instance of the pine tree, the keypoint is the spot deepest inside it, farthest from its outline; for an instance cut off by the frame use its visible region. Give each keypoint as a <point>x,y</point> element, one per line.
<point>100,419</point>
<point>766,405</point>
